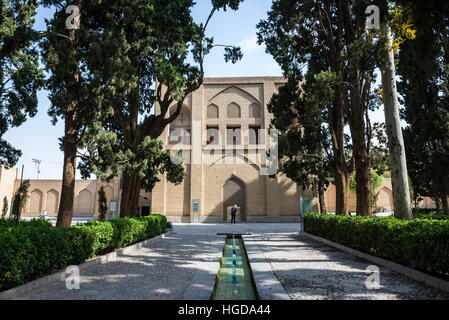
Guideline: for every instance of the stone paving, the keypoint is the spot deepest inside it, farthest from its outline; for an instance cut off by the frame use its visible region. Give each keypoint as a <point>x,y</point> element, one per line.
<point>183,265</point>
<point>310,270</point>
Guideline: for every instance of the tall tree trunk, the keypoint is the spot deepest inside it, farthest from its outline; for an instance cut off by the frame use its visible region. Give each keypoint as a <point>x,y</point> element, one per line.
<point>445,204</point>
<point>68,177</point>
<point>65,210</point>
<point>129,203</point>
<point>362,178</point>
<point>399,177</point>
<point>342,171</point>
<point>341,192</point>
<point>321,197</point>
<point>436,199</point>
<point>360,151</point>
<point>356,116</point>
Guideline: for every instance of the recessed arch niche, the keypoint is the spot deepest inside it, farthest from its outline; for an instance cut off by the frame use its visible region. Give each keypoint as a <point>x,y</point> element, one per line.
<point>234,192</point>
<point>35,202</point>
<point>233,111</point>
<point>212,111</point>
<point>51,205</point>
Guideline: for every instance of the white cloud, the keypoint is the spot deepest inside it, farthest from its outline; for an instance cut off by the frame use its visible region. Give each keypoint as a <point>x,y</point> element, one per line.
<point>250,44</point>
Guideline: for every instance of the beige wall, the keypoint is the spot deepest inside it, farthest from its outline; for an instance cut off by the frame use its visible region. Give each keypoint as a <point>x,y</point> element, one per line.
<point>206,178</point>
<point>45,195</point>
<point>7,179</point>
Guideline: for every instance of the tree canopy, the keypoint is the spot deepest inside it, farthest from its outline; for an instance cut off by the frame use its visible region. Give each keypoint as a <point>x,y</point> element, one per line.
<point>424,70</point>
<point>147,65</point>
<point>20,75</point>
<point>325,42</point>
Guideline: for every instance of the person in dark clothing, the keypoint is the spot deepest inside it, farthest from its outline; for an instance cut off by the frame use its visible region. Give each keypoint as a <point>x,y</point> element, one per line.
<point>233,213</point>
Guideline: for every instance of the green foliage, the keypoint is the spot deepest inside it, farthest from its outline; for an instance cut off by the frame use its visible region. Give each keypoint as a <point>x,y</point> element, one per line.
<point>36,248</point>
<point>148,45</point>
<point>149,161</point>
<point>425,213</point>
<point>379,153</point>
<point>102,204</point>
<point>330,43</point>
<point>426,100</point>
<point>302,133</point>
<point>420,244</point>
<point>376,181</point>
<point>11,222</point>
<point>20,75</point>
<point>20,199</point>
<point>424,216</point>
<point>5,207</point>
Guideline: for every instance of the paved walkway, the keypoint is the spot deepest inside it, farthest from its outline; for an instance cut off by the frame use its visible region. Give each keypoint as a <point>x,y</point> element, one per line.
<point>310,270</point>
<point>183,265</point>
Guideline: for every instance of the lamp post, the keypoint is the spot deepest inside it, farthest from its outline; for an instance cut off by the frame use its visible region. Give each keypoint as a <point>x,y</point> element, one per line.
<point>234,151</point>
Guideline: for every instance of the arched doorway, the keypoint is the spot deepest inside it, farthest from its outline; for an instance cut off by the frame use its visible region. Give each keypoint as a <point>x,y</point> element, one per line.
<point>144,206</point>
<point>385,199</point>
<point>234,193</point>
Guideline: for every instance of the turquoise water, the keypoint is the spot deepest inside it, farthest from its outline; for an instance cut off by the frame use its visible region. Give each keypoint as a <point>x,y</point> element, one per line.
<point>234,279</point>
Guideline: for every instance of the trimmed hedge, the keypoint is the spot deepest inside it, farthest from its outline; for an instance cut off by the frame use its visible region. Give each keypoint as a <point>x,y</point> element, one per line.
<point>420,244</point>
<point>432,216</point>
<point>11,222</point>
<point>35,249</point>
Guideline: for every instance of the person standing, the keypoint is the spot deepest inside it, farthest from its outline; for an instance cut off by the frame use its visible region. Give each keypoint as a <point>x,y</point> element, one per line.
<point>233,213</point>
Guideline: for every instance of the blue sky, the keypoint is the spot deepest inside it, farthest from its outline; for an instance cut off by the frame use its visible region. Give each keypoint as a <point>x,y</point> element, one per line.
<point>38,138</point>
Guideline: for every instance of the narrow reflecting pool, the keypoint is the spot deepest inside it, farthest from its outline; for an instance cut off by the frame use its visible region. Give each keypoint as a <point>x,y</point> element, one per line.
<point>234,279</point>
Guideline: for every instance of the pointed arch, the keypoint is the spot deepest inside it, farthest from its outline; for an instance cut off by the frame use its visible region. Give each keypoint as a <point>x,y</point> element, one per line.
<point>385,198</point>
<point>35,206</point>
<point>243,157</point>
<point>234,89</point>
<point>234,192</point>
<point>255,110</point>
<point>235,178</point>
<point>83,203</point>
<point>51,204</point>
<point>212,111</point>
<point>233,111</point>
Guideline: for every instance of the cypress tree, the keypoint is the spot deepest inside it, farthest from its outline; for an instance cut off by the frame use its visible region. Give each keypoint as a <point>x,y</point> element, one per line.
<point>20,75</point>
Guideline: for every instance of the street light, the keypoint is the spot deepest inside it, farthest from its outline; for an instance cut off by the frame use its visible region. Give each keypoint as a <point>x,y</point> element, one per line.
<point>37,163</point>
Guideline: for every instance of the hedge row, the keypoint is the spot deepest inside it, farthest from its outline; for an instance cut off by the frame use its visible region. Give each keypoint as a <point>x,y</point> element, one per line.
<point>432,216</point>
<point>420,244</point>
<point>11,222</point>
<point>32,250</point>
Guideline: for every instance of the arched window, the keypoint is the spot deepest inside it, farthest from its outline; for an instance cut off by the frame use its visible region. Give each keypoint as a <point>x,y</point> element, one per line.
<point>233,111</point>
<point>254,110</point>
<point>212,111</point>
